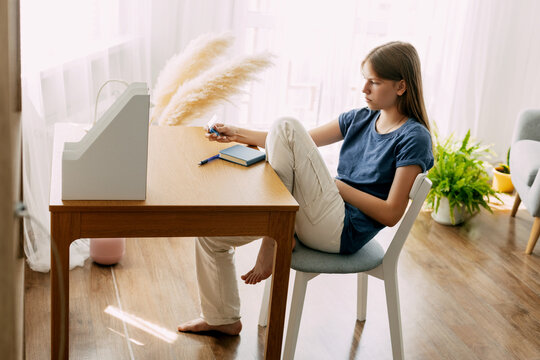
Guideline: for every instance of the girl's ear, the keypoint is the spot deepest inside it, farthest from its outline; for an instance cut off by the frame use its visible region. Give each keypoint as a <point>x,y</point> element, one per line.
<point>401,87</point>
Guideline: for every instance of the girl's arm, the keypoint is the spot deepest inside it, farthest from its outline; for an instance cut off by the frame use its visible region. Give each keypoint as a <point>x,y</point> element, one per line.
<point>388,212</point>
<point>323,135</point>
<point>228,133</point>
<point>326,134</point>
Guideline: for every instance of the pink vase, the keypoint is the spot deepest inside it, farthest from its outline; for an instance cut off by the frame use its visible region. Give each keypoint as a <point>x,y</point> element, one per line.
<point>107,251</point>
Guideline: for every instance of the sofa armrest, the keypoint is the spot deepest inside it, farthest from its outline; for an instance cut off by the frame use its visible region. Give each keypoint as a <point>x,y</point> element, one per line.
<point>533,201</point>
<point>527,126</point>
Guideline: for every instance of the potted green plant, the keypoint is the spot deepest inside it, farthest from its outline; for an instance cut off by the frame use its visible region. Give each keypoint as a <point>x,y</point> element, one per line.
<point>460,180</point>
<point>501,176</point>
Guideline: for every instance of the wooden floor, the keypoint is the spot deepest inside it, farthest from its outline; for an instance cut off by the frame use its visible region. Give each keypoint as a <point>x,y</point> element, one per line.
<point>467,292</point>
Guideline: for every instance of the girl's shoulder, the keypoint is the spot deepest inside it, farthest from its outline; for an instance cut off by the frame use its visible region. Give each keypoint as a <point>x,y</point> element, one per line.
<point>414,128</point>
<point>414,131</point>
<point>413,146</point>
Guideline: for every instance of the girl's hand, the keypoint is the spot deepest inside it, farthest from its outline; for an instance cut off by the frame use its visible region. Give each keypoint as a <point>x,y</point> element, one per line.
<point>227,133</point>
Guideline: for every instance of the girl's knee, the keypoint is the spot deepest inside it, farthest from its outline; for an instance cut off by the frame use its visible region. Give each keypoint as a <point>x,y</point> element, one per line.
<point>284,125</point>
<point>214,245</point>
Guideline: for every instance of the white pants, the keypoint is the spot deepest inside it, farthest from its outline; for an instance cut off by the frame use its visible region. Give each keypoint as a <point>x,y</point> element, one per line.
<point>294,156</point>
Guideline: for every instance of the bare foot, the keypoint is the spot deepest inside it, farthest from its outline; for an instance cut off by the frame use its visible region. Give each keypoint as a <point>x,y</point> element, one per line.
<point>263,266</point>
<point>199,325</point>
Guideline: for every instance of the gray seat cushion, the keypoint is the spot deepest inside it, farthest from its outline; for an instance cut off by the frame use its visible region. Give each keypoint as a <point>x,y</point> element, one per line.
<point>525,160</point>
<point>309,260</point>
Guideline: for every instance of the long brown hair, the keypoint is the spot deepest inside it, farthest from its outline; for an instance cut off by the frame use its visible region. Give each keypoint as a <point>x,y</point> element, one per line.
<point>399,61</point>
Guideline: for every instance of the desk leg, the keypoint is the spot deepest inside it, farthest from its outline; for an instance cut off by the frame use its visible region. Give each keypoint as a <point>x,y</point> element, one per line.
<point>281,230</point>
<point>64,229</point>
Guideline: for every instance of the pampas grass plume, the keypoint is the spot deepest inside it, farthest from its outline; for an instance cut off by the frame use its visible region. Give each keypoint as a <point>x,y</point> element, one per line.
<point>204,92</point>
<point>200,54</point>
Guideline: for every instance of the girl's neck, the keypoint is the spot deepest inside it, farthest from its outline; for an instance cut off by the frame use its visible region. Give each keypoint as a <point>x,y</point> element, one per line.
<point>389,120</point>
<point>390,116</point>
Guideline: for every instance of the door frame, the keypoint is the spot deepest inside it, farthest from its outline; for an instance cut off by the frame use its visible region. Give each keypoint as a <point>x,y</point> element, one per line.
<point>11,257</point>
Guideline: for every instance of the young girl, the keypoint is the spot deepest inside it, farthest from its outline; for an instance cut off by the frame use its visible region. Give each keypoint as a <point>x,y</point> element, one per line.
<point>385,146</point>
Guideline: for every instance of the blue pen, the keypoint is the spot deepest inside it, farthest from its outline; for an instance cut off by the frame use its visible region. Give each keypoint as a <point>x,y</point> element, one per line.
<point>209,159</point>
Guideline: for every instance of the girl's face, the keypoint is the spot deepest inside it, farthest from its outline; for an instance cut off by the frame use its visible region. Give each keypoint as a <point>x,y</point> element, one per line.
<point>381,94</point>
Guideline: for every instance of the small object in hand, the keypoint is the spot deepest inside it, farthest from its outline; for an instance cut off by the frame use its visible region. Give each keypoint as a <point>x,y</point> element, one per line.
<point>211,125</point>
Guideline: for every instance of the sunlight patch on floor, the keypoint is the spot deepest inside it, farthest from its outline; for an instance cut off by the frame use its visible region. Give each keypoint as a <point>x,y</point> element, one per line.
<point>130,339</point>
<point>152,329</point>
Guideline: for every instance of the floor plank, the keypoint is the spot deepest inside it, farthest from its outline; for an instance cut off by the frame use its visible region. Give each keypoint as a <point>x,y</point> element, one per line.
<point>99,335</point>
<point>467,292</point>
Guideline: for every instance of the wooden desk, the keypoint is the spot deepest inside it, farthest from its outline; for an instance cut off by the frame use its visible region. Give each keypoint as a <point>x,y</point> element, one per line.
<point>183,199</point>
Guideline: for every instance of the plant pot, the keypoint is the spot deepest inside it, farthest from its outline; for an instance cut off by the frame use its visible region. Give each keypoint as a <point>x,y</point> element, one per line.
<point>442,215</point>
<point>502,182</point>
<point>107,251</point>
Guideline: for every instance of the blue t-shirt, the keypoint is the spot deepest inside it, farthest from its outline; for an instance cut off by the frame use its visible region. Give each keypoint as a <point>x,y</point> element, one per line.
<point>368,162</point>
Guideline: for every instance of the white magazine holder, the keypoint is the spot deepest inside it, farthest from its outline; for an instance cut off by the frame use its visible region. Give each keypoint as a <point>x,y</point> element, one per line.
<point>110,161</point>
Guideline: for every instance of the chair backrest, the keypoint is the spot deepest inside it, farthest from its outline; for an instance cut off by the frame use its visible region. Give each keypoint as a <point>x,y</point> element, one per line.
<point>418,195</point>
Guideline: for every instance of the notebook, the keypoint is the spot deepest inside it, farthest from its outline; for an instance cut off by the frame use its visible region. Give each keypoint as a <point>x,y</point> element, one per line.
<point>242,155</point>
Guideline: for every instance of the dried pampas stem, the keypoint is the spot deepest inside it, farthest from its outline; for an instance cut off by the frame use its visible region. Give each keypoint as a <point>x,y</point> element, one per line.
<point>200,54</point>
<point>207,90</point>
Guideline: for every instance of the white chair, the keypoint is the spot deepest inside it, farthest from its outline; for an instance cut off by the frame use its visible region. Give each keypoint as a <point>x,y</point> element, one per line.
<point>525,165</point>
<point>372,260</point>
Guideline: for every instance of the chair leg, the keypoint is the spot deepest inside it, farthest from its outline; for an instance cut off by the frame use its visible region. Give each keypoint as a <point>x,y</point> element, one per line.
<point>263,313</point>
<point>361,300</point>
<point>535,233</point>
<point>517,201</point>
<point>297,305</point>
<point>394,316</point>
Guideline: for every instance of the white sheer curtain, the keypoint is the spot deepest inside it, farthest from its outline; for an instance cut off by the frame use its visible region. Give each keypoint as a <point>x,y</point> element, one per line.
<point>68,50</point>
<point>479,63</point>
<point>479,59</point>
<point>483,71</point>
